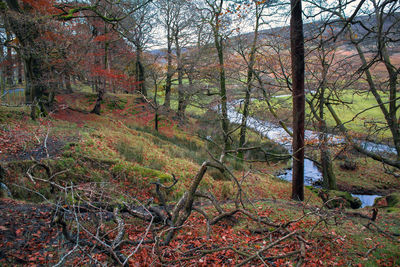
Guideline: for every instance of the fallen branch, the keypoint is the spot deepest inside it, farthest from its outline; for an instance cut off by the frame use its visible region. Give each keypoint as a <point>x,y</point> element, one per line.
<point>258,253</point>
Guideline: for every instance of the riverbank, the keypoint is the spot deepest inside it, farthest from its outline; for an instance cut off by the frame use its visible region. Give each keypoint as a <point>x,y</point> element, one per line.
<point>355,173</point>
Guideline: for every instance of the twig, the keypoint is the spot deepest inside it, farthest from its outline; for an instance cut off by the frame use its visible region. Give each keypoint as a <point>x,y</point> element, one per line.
<point>266,248</point>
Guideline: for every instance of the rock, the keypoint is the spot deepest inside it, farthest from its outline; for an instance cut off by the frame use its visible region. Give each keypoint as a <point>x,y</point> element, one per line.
<point>391,200</point>
<point>4,189</point>
<point>343,199</point>
<point>317,183</point>
<point>348,165</point>
<point>380,202</point>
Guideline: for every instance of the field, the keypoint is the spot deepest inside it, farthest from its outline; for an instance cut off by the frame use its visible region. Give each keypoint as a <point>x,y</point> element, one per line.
<point>360,113</point>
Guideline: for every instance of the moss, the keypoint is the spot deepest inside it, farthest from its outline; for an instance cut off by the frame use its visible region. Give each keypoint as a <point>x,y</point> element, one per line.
<point>346,199</point>
<point>390,202</point>
<point>392,210</point>
<point>65,163</point>
<point>312,189</point>
<point>393,200</point>
<point>153,173</point>
<point>142,171</point>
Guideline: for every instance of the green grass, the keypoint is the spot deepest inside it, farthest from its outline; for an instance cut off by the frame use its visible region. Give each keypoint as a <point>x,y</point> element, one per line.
<point>366,122</point>
<point>360,114</point>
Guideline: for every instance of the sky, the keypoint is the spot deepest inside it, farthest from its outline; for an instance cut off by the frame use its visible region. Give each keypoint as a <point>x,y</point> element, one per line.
<point>276,16</point>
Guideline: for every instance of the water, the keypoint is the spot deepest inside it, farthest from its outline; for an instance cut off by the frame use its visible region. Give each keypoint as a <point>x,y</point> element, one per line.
<point>14,96</point>
<point>366,200</point>
<point>13,91</point>
<point>311,172</point>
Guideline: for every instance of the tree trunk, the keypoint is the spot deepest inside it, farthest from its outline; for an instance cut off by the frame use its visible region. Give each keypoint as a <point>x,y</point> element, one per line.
<point>222,94</point>
<point>37,93</point>
<point>297,56</point>
<point>181,94</point>
<point>19,62</point>
<point>156,106</point>
<point>328,176</point>
<point>10,65</point>
<point>3,76</point>
<point>251,62</point>
<point>186,99</point>
<point>168,81</point>
<point>68,87</point>
<point>101,90</point>
<point>140,78</point>
<point>97,106</point>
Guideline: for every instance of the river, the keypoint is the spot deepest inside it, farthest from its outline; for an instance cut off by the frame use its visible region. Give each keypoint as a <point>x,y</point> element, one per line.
<point>278,134</point>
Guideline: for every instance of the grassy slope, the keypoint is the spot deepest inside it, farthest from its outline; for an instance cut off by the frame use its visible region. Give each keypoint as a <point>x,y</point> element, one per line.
<point>120,149</point>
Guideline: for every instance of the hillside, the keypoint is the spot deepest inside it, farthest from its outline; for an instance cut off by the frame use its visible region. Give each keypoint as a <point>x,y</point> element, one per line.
<point>99,179</point>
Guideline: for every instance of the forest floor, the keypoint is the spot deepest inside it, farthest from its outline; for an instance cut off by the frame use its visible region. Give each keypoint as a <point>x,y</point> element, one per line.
<point>120,151</point>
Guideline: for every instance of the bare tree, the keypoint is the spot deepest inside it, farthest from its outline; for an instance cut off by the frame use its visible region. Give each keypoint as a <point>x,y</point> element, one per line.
<point>167,12</point>
<point>182,32</point>
<point>217,22</point>
<point>249,56</point>
<point>138,28</point>
<point>372,36</point>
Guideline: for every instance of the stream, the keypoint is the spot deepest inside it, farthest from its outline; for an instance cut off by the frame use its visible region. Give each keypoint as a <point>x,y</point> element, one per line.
<point>311,172</point>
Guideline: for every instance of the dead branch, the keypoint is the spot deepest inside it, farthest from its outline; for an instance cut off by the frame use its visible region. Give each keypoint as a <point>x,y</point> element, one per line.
<point>258,253</point>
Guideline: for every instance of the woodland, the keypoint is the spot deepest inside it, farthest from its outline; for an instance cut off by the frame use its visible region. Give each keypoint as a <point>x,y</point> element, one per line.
<point>199,133</point>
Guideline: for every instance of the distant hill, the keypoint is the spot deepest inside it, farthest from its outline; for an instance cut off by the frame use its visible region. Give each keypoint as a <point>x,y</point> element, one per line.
<point>361,26</point>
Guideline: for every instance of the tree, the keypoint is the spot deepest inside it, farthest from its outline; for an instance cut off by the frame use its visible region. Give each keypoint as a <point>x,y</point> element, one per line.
<point>27,24</point>
<point>297,56</point>
<point>184,17</point>
<point>322,80</point>
<point>250,60</point>
<point>167,13</point>
<point>22,21</point>
<point>372,36</point>
<point>10,63</point>
<point>217,22</point>
<point>137,28</point>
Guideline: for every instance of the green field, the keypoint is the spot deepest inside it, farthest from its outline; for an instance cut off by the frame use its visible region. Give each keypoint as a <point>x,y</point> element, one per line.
<point>359,113</point>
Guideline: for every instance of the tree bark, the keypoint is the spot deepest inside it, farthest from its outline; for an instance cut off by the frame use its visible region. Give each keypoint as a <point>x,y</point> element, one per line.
<point>68,87</point>
<point>140,78</point>
<point>19,62</point>
<point>181,94</point>
<point>168,81</point>
<point>3,77</point>
<point>97,106</point>
<point>101,90</point>
<point>10,64</point>
<point>297,56</point>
